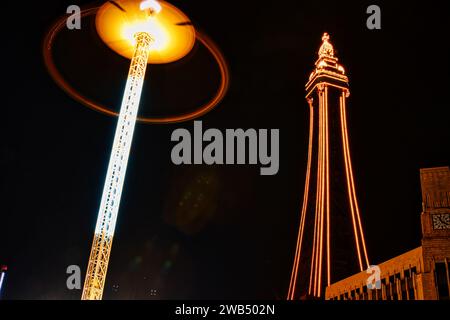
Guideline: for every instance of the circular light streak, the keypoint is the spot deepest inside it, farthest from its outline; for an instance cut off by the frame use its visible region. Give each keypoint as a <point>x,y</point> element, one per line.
<point>64,85</point>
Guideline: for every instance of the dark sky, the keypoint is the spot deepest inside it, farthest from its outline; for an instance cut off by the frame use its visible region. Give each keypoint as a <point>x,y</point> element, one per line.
<point>241,242</point>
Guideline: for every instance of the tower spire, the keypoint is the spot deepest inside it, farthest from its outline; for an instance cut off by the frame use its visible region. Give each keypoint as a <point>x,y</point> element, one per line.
<point>326,49</point>
<point>327,63</point>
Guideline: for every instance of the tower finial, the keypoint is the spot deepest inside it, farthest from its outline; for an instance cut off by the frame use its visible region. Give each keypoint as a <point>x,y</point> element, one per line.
<point>326,49</point>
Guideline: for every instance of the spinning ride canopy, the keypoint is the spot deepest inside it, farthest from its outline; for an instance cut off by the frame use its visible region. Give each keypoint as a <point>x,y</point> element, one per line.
<point>173,35</point>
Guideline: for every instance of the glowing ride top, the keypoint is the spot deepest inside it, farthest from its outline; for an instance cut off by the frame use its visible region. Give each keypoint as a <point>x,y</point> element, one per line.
<point>173,35</point>
<point>120,13</point>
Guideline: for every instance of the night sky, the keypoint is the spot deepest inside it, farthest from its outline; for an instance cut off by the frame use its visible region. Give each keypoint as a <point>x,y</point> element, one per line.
<point>240,242</point>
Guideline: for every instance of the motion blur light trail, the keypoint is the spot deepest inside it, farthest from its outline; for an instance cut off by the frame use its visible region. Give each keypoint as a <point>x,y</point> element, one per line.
<point>203,39</point>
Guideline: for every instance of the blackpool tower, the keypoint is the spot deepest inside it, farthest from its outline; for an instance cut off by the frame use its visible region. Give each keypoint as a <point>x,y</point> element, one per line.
<point>330,241</point>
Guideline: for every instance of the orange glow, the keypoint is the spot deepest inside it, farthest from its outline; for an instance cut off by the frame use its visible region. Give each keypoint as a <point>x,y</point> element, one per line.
<point>318,198</point>
<point>353,186</point>
<point>173,36</point>
<point>347,169</point>
<point>292,285</point>
<point>313,254</point>
<point>52,69</point>
<point>322,194</point>
<point>327,74</point>
<point>328,188</point>
<point>322,64</point>
<point>314,257</point>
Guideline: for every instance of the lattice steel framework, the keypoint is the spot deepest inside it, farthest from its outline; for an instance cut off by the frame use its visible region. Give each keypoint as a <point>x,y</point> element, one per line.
<point>109,207</point>
<point>330,193</point>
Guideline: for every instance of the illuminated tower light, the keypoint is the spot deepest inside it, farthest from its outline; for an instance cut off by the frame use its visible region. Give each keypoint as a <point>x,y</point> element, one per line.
<point>328,75</point>
<point>112,191</point>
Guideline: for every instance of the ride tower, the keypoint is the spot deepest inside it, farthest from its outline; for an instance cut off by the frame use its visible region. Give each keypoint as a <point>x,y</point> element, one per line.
<point>146,32</point>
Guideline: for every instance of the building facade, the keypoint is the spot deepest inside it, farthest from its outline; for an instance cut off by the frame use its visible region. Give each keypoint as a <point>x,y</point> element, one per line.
<point>419,274</point>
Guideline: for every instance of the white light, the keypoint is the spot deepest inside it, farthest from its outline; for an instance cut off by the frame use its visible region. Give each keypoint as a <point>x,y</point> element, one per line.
<point>151,4</point>
<point>115,176</point>
<point>160,36</point>
<point>322,64</point>
<point>2,277</point>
